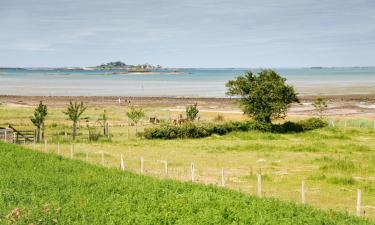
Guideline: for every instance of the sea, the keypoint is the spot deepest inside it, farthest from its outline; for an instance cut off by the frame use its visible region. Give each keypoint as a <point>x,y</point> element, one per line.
<point>181,83</point>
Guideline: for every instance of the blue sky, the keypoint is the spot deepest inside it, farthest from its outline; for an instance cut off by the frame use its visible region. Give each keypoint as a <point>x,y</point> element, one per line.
<point>188,33</point>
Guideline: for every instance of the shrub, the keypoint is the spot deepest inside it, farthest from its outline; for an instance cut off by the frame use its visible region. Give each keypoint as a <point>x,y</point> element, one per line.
<point>312,124</point>
<point>193,130</point>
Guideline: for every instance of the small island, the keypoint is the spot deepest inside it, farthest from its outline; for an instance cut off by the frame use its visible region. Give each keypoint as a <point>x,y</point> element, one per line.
<point>118,65</point>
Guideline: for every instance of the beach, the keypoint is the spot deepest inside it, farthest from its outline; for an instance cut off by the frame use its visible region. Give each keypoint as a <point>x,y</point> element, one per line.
<point>338,105</point>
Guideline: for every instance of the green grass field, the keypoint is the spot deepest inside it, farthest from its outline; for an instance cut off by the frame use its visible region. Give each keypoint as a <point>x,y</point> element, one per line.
<point>38,188</point>
<point>333,162</point>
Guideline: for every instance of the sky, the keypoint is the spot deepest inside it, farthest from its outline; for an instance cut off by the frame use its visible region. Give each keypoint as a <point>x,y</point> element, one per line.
<point>187,33</point>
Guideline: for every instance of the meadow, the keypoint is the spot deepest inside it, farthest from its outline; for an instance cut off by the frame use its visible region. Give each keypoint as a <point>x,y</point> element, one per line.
<point>333,162</point>
<point>39,188</point>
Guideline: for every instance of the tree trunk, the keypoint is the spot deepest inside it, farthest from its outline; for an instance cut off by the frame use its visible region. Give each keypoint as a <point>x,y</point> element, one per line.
<point>38,134</point>
<point>74,131</point>
<point>43,131</point>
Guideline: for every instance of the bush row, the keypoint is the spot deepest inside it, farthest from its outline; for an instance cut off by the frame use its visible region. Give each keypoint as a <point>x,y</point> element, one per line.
<point>199,130</point>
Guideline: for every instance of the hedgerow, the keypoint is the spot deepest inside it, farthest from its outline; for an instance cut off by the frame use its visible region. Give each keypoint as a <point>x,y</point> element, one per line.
<point>199,130</point>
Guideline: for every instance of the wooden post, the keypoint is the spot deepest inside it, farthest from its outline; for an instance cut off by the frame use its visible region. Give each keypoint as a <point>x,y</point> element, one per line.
<point>303,192</point>
<point>358,210</point>
<point>374,124</point>
<point>345,124</point>
<point>103,158</point>
<point>122,164</point>
<point>142,166</point>
<point>192,172</point>
<point>222,177</point>
<point>5,135</point>
<point>58,148</point>
<point>87,156</point>
<point>65,134</point>
<point>259,185</point>
<point>166,168</point>
<point>71,151</point>
<point>45,145</point>
<point>107,130</point>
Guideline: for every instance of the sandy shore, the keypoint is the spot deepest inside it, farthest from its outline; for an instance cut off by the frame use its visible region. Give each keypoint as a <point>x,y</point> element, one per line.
<point>338,105</point>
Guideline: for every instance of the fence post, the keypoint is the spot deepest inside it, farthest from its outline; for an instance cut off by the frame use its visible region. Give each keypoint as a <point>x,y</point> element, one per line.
<point>71,151</point>
<point>107,130</point>
<point>345,124</point>
<point>45,145</point>
<point>87,156</point>
<point>222,177</point>
<point>303,192</point>
<point>122,164</point>
<point>374,124</point>
<point>5,135</point>
<point>259,185</point>
<point>166,168</point>
<point>103,158</point>
<point>192,172</point>
<point>58,148</point>
<point>358,210</point>
<point>142,165</point>
<point>65,134</point>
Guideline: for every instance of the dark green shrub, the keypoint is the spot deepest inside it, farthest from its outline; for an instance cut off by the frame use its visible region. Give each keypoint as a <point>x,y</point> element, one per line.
<point>194,130</point>
<point>312,123</point>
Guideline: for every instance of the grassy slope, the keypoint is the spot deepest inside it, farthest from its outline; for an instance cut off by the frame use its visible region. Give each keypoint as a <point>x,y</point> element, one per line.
<point>48,188</point>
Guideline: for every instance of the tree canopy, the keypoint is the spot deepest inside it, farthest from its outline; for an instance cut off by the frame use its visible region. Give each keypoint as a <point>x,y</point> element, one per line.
<point>264,96</point>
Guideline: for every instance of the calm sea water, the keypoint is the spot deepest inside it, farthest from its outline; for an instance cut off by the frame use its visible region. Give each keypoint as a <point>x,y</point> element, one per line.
<point>194,82</point>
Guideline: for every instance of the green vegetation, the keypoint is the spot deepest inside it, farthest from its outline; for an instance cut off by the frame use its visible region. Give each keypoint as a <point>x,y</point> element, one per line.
<point>39,188</point>
<point>264,96</point>
<point>135,115</point>
<point>199,130</point>
<point>327,159</point>
<point>192,112</point>
<point>320,105</point>
<point>38,118</point>
<point>74,113</point>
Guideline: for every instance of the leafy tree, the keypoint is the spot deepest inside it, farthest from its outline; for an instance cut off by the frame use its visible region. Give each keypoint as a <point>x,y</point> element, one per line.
<point>192,112</point>
<point>320,105</point>
<point>265,96</point>
<point>38,118</point>
<point>135,115</point>
<point>74,113</point>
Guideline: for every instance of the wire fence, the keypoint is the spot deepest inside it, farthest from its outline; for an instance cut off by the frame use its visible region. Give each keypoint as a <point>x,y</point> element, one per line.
<point>356,202</point>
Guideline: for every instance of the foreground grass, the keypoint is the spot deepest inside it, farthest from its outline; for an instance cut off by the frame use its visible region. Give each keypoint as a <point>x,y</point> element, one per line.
<point>45,189</point>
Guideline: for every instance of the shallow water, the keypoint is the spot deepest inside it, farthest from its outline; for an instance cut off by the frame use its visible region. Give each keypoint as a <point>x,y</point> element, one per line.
<point>193,82</point>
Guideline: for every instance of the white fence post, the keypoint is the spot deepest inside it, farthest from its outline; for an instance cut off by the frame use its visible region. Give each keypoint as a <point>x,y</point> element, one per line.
<point>192,172</point>
<point>45,145</point>
<point>303,192</point>
<point>166,168</point>
<point>5,135</point>
<point>58,148</point>
<point>142,165</point>
<point>222,177</point>
<point>122,164</point>
<point>87,156</point>
<point>358,210</point>
<point>259,185</point>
